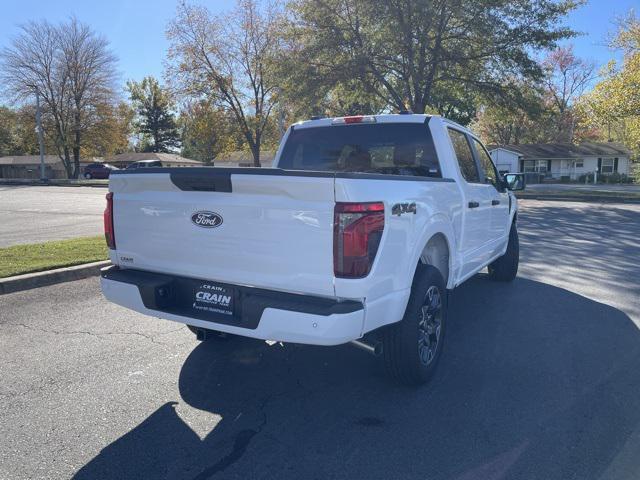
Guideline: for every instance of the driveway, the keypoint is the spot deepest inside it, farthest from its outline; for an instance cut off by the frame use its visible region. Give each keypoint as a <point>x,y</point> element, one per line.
<point>30,214</point>
<point>540,378</point>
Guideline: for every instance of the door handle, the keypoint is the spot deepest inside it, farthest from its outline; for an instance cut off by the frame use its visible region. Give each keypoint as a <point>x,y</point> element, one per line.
<point>495,202</point>
<point>474,204</point>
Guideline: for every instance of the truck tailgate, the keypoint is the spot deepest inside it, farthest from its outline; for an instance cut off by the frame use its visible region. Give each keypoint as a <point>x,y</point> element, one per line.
<point>264,228</point>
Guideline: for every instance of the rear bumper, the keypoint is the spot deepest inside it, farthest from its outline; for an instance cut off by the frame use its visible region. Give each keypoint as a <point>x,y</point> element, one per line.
<point>264,314</point>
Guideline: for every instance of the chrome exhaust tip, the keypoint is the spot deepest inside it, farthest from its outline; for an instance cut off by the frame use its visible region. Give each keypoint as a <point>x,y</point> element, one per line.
<point>375,349</point>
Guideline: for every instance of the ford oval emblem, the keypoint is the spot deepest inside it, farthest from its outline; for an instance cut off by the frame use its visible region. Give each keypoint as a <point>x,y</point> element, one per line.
<point>206,219</point>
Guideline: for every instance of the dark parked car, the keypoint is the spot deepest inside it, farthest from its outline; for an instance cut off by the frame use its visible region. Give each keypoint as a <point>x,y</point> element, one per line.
<point>144,164</point>
<point>98,170</point>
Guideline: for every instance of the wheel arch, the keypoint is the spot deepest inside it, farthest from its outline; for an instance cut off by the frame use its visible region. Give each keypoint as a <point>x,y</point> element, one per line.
<point>437,248</point>
<point>436,253</point>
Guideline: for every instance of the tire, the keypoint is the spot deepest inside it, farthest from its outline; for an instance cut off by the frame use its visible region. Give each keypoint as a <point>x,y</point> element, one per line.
<point>211,334</point>
<point>413,346</point>
<point>505,268</point>
<point>87,176</point>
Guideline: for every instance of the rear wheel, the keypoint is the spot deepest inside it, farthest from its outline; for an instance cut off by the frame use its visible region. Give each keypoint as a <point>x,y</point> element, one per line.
<point>505,268</point>
<point>206,334</point>
<point>87,176</point>
<point>413,346</point>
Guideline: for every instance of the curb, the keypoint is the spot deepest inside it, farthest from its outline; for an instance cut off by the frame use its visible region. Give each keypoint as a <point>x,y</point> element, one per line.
<point>579,198</point>
<point>51,277</point>
<point>55,183</point>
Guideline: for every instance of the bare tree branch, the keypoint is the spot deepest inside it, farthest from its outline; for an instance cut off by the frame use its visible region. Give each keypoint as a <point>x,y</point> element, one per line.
<point>228,58</point>
<point>72,70</point>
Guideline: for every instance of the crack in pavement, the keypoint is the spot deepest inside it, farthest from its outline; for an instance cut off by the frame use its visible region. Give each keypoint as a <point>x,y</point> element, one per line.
<point>96,334</point>
<point>46,381</point>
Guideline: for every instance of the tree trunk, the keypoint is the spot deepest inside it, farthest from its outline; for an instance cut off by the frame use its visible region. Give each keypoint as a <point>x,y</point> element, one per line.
<point>76,162</point>
<point>255,150</point>
<point>417,107</point>
<point>67,162</point>
<point>76,146</point>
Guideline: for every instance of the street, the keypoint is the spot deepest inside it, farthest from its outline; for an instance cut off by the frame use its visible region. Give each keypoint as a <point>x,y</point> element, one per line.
<point>540,378</point>
<point>605,188</point>
<point>31,214</point>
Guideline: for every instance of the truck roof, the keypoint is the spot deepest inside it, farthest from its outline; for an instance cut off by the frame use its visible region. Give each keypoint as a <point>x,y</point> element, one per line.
<point>382,118</point>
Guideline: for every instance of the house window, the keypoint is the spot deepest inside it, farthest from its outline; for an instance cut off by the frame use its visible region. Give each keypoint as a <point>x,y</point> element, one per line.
<point>607,165</point>
<point>579,164</point>
<point>535,166</point>
<point>529,166</point>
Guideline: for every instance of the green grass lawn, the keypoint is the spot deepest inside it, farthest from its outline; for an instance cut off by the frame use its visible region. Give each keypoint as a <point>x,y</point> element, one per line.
<point>45,256</point>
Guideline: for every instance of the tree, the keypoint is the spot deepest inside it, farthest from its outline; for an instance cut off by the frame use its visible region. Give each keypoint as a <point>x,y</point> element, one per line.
<point>17,131</point>
<point>510,124</point>
<point>72,70</point>
<point>155,120</point>
<point>435,55</point>
<point>544,111</point>
<point>7,131</point>
<point>229,59</point>
<point>613,107</point>
<point>111,132</point>
<point>567,77</point>
<point>207,131</point>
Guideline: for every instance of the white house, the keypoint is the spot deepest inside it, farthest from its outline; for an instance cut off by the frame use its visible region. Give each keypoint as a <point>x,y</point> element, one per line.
<point>558,160</point>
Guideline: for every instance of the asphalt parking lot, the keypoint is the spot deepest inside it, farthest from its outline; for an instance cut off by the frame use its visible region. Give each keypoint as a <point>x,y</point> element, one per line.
<point>31,214</point>
<point>540,379</point>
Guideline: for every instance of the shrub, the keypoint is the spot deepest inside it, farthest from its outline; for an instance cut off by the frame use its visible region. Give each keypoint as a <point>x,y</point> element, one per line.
<point>616,178</point>
<point>586,177</point>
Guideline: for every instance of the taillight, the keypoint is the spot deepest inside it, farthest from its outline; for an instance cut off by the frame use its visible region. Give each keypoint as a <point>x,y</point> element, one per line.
<point>357,229</point>
<point>109,232</point>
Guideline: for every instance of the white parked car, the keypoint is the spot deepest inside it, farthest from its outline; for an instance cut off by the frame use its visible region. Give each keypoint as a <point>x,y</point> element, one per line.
<point>357,234</point>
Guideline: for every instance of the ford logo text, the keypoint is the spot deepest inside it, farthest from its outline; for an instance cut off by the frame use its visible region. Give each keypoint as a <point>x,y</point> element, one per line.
<point>206,219</point>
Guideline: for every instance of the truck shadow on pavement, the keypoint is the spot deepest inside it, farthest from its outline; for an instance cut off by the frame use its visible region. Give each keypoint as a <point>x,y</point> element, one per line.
<point>535,382</point>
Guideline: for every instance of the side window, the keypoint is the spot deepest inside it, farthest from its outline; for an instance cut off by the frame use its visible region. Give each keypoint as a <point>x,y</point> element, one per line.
<point>464,155</point>
<point>490,173</point>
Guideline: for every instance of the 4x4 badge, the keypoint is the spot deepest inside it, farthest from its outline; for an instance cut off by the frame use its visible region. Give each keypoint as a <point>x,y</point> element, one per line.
<point>400,208</point>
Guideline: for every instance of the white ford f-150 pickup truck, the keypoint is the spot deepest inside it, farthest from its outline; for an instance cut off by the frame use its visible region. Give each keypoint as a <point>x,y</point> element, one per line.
<point>356,234</point>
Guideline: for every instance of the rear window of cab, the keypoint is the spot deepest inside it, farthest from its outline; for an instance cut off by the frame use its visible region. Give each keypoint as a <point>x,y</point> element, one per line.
<point>391,148</point>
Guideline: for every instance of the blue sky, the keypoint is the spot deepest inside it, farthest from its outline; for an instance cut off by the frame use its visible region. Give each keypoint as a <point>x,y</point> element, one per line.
<point>136,28</point>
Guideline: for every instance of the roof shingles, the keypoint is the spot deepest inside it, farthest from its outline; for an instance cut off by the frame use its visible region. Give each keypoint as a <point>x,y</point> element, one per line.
<point>568,150</point>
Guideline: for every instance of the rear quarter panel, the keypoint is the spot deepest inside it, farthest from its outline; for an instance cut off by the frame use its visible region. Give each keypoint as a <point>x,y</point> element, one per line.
<point>438,210</point>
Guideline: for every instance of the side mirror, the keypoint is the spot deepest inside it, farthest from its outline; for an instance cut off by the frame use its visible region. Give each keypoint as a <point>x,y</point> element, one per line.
<point>514,181</point>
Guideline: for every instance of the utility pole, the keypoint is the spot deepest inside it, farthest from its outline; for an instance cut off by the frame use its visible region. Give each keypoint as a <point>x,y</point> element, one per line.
<point>43,178</point>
